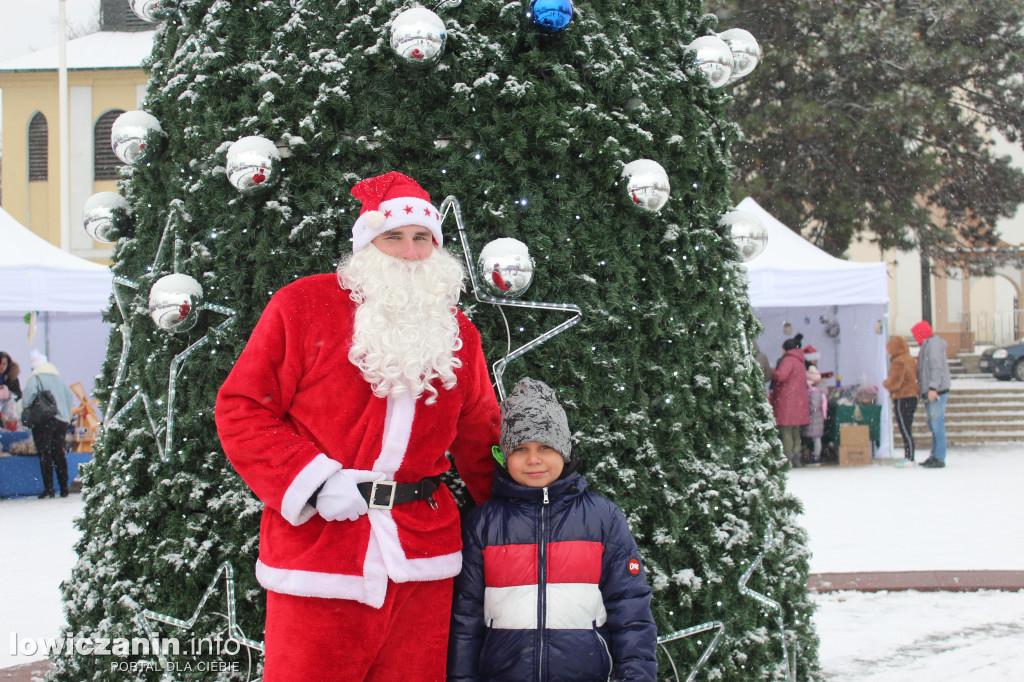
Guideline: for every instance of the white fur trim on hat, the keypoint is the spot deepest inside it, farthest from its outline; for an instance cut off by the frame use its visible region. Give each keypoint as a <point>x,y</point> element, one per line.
<point>394,213</point>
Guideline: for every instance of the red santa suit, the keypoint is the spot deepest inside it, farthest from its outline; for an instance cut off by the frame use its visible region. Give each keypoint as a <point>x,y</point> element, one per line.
<point>294,410</point>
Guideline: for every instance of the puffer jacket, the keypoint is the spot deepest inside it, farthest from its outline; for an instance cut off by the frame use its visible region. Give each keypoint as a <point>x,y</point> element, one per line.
<point>902,379</point>
<point>551,590</point>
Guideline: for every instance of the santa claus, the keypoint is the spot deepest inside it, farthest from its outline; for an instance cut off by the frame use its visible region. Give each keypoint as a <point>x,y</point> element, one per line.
<point>338,415</point>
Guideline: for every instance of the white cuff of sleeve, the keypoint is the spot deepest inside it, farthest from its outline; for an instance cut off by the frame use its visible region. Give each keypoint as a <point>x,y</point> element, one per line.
<point>294,507</point>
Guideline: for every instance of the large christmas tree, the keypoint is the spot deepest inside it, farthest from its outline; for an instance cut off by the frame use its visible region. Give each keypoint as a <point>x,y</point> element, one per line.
<point>529,125</point>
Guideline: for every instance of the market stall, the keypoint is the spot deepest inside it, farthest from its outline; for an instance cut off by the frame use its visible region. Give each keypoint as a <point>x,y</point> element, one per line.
<point>68,295</point>
<point>839,306</point>
<point>52,301</point>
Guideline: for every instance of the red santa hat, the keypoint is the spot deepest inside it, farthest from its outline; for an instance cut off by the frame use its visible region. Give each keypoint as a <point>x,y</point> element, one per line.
<point>389,201</point>
<point>811,354</point>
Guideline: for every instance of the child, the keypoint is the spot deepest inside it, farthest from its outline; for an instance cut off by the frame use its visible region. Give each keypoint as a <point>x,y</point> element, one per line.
<point>551,586</point>
<point>818,411</point>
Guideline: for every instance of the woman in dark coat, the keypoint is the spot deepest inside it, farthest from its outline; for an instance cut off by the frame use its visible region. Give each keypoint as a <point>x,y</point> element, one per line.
<point>789,398</point>
<point>10,391</point>
<point>9,375</point>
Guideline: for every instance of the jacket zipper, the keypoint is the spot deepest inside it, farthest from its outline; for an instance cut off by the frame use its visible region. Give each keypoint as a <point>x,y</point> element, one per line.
<point>542,578</point>
<point>607,652</point>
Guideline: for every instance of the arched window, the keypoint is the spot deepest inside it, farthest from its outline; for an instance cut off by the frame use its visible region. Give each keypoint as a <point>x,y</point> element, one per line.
<point>38,148</point>
<point>105,162</point>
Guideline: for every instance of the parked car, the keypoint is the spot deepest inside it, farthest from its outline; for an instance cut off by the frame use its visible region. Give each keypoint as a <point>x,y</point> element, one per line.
<point>985,362</point>
<point>1005,362</point>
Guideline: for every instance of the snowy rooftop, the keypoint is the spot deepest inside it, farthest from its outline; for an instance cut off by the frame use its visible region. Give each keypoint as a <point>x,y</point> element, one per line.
<point>102,50</point>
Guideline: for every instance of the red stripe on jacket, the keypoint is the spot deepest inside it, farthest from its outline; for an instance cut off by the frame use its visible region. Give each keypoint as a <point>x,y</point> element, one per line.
<point>571,561</point>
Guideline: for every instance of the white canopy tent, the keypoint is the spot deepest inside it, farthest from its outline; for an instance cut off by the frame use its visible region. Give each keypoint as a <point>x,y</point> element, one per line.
<point>840,307</point>
<point>68,293</point>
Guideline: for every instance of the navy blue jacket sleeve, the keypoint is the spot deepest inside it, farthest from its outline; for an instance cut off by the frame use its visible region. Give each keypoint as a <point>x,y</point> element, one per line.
<point>627,599</point>
<point>467,625</point>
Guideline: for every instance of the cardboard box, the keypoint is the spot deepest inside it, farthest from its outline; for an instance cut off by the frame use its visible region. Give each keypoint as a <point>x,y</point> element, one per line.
<point>854,445</point>
<point>855,435</point>
<point>854,456</point>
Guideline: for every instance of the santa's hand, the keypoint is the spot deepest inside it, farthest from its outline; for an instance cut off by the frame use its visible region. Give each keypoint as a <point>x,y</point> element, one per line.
<point>340,499</point>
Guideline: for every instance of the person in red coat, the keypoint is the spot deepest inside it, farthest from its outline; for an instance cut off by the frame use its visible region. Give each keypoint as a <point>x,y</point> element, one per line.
<point>789,398</point>
<point>338,415</point>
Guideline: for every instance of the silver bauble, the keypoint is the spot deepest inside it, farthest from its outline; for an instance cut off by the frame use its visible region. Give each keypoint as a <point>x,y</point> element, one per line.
<point>714,59</point>
<point>145,9</point>
<point>174,302</point>
<point>130,132</point>
<point>647,184</point>
<point>747,232</point>
<point>418,36</point>
<point>746,53</point>
<point>505,267</point>
<point>253,163</point>
<point>99,216</point>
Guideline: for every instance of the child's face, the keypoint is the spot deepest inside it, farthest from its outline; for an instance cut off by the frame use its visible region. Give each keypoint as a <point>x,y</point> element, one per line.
<point>535,465</point>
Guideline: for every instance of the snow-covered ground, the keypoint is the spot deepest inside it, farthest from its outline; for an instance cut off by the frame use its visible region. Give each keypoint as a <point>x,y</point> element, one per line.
<point>967,516</point>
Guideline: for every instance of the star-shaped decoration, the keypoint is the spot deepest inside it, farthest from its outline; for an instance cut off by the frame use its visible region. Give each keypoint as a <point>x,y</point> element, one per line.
<point>387,213</point>
<point>147,617</point>
<point>126,341</point>
<point>154,425</point>
<point>179,360</point>
<point>408,210</point>
<point>177,210</point>
<point>426,212</point>
<point>452,204</point>
<point>789,657</point>
<point>690,632</point>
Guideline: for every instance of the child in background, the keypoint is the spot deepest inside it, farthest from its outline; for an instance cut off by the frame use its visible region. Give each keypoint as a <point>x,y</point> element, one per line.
<point>551,578</point>
<point>818,407</point>
<point>811,356</point>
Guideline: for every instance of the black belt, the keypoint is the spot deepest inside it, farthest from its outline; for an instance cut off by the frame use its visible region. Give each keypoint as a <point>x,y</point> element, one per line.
<point>386,494</point>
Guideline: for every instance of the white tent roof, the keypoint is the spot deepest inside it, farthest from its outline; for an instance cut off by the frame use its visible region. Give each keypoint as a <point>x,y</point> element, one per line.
<point>792,272</point>
<point>36,275</point>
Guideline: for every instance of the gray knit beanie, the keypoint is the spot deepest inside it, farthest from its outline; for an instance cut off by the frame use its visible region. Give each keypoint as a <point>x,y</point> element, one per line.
<point>531,413</point>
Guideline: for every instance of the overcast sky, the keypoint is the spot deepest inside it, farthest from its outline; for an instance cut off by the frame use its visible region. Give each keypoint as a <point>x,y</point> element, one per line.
<point>29,25</point>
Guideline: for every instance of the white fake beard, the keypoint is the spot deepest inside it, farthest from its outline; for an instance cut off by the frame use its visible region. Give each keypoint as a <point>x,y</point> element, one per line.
<point>405,331</point>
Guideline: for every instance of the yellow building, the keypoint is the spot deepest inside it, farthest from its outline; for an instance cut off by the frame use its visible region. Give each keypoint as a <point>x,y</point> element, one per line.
<point>104,80</point>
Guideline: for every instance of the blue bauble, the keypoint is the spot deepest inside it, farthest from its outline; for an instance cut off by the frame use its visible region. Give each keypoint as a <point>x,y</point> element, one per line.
<point>551,16</point>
